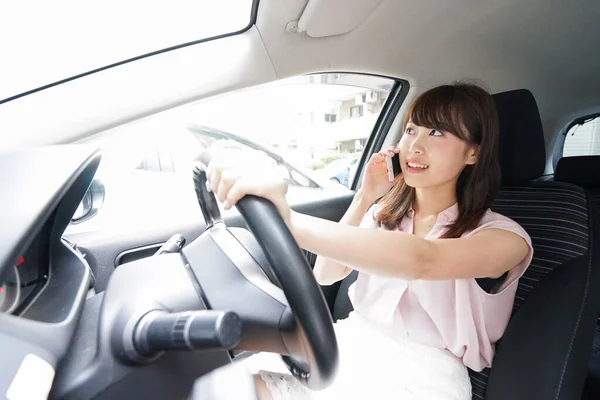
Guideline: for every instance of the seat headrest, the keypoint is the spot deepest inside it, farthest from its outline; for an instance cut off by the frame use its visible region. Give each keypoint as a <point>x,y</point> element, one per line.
<point>522,148</point>
<point>581,170</point>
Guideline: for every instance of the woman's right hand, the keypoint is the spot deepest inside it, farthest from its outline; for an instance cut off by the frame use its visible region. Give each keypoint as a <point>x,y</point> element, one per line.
<point>375,181</point>
<point>235,172</point>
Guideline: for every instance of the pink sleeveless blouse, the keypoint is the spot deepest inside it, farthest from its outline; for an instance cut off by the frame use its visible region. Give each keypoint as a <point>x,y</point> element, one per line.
<point>457,315</point>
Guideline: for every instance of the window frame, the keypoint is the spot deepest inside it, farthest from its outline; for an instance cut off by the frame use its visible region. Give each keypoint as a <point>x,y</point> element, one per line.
<point>382,126</point>
<point>558,150</point>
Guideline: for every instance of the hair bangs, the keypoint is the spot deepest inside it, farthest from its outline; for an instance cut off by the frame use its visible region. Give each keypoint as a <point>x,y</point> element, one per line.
<point>441,108</point>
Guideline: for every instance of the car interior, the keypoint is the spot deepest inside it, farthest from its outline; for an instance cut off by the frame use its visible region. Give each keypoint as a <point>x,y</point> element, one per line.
<point>147,288</point>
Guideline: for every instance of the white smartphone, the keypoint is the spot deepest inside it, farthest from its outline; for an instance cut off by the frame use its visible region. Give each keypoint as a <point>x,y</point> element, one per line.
<point>393,166</point>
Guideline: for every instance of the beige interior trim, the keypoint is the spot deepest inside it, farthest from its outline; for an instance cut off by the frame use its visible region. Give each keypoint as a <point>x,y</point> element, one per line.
<point>323,18</point>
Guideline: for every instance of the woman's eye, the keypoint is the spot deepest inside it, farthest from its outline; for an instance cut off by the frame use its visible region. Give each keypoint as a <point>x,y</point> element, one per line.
<point>410,131</point>
<point>436,133</point>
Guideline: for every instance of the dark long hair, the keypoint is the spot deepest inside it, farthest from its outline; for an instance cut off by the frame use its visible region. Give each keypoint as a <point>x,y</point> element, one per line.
<point>467,111</point>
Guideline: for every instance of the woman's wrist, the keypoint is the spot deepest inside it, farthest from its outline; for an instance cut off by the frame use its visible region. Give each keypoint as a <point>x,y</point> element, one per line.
<point>301,225</point>
<point>363,198</point>
<point>294,224</point>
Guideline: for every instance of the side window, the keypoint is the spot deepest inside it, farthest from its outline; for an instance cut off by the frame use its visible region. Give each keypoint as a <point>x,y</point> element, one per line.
<point>583,139</point>
<point>315,127</point>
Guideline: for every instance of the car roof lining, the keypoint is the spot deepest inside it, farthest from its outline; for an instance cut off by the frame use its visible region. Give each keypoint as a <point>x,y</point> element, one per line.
<point>545,47</point>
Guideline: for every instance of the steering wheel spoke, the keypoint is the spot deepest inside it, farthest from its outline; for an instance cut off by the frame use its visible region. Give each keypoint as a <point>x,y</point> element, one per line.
<point>235,269</point>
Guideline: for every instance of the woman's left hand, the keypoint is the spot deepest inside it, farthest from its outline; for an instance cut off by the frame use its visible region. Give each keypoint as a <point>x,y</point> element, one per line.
<point>234,173</point>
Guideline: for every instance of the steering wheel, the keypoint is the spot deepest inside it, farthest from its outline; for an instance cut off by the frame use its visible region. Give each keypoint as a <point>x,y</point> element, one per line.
<point>305,327</point>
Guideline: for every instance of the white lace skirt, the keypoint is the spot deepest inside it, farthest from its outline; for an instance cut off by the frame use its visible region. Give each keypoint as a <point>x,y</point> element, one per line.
<point>373,365</point>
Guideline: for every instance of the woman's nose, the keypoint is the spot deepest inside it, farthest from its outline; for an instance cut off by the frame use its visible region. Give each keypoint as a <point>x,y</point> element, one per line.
<point>417,145</point>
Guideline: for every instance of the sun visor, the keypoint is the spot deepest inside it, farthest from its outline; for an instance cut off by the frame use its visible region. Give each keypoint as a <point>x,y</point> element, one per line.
<point>323,18</point>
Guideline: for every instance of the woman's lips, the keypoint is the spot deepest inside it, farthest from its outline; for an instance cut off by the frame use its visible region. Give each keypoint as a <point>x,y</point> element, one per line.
<point>416,167</point>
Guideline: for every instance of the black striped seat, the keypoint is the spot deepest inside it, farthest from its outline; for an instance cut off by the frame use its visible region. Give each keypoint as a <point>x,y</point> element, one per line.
<point>544,351</point>
<point>585,172</point>
<point>556,218</point>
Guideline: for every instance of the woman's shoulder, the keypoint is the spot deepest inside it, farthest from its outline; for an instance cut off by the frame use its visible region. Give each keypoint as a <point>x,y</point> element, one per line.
<point>494,220</point>
<point>491,216</point>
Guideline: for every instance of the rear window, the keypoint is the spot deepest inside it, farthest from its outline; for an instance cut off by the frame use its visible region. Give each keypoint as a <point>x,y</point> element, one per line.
<point>583,138</point>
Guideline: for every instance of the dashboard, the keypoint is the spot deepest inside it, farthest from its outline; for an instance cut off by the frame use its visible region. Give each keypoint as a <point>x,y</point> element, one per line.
<point>61,339</point>
<point>44,279</point>
<point>25,280</point>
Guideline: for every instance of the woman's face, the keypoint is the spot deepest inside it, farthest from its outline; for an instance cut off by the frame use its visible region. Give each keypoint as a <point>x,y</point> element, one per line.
<point>432,158</point>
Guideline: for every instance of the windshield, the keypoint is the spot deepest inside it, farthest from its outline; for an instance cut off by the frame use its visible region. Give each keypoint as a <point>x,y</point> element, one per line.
<point>52,41</point>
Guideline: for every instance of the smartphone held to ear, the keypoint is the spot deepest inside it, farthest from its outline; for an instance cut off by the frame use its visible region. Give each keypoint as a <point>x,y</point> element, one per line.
<point>393,166</point>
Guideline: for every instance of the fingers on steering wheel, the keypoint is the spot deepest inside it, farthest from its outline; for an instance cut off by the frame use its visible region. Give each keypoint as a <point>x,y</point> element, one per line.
<point>240,188</point>
<point>228,179</point>
<point>210,175</point>
<point>214,171</point>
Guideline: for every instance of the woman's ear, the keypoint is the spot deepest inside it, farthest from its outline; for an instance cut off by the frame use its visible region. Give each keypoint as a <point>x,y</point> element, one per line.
<point>472,155</point>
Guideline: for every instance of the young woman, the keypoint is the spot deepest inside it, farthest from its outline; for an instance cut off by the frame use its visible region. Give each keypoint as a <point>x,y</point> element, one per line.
<point>438,270</point>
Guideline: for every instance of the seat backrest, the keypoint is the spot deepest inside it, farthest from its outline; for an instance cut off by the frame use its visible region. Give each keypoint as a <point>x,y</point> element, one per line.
<point>544,351</point>
<point>581,170</point>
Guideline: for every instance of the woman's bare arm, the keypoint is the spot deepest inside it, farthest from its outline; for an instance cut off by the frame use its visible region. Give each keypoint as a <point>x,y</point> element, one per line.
<point>328,271</point>
<point>396,254</point>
